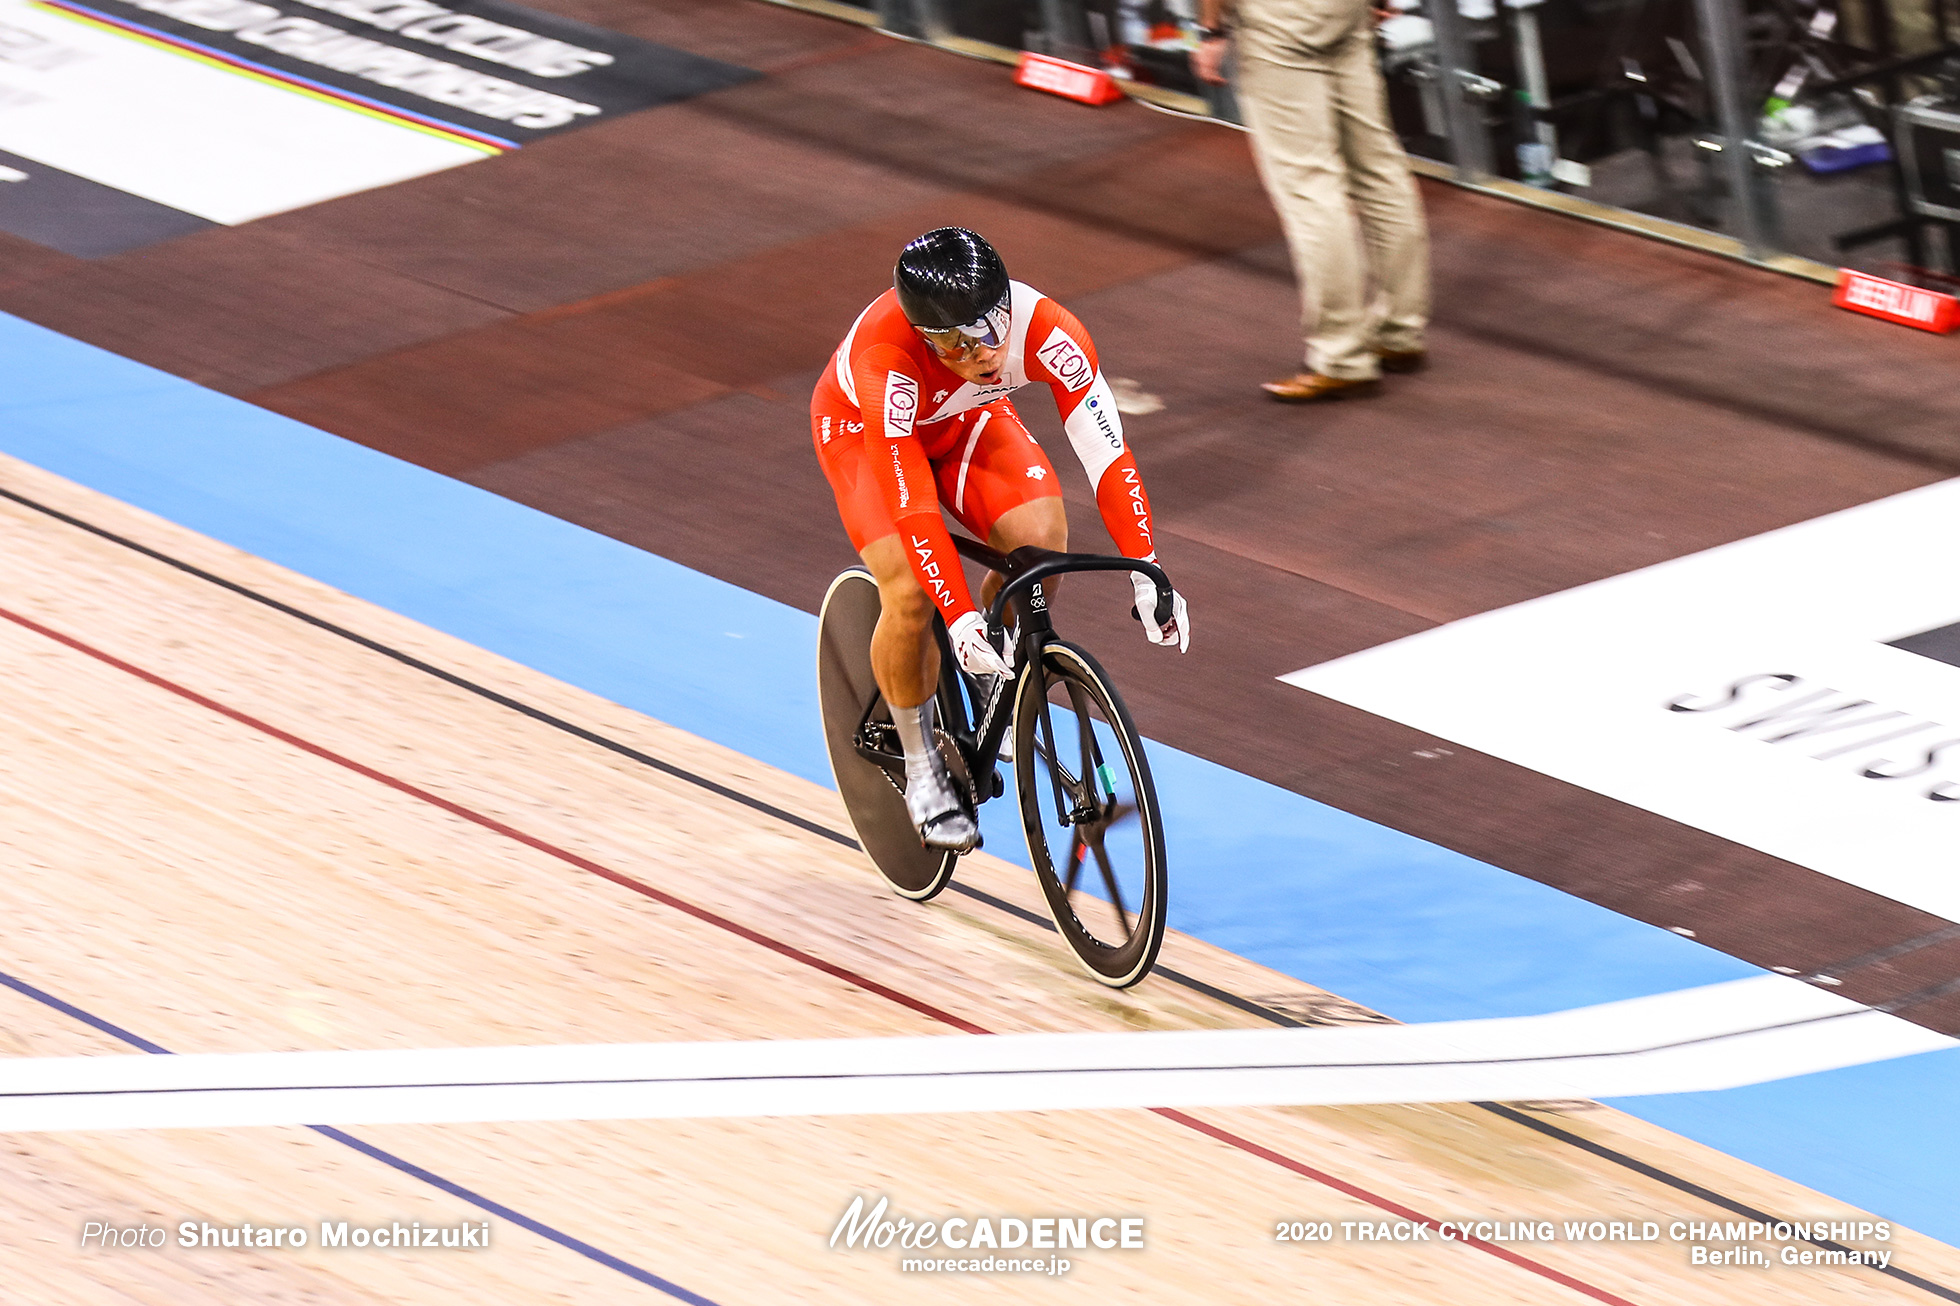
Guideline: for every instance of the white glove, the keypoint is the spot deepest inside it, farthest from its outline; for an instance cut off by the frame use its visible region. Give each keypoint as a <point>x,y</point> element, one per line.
<point>974,650</point>
<point>1177,631</point>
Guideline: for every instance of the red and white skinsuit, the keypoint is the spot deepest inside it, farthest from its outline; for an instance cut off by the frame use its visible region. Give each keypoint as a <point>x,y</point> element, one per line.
<point>900,435</point>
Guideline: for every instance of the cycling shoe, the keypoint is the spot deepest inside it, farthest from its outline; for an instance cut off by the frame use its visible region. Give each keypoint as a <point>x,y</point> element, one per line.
<point>952,831</point>
<point>935,807</point>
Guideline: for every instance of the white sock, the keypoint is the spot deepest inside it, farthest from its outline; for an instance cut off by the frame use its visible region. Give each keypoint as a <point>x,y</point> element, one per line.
<point>928,789</point>
<point>914,725</point>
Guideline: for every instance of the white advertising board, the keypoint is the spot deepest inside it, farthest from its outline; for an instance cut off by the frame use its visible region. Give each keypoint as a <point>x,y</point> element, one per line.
<point>186,132</point>
<point>1758,691</point>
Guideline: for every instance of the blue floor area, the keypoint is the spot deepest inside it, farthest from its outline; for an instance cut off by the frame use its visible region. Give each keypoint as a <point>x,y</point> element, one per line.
<point>1878,1136</point>
<point>1383,918</point>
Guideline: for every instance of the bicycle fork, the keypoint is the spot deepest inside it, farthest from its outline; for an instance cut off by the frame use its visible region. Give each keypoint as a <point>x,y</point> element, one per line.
<point>1084,804</point>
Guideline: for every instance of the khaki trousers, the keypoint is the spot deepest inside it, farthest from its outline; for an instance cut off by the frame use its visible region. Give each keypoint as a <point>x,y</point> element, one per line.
<point>1331,163</point>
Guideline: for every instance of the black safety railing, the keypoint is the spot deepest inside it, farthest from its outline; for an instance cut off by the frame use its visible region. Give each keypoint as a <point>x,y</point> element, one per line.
<point>1828,131</point>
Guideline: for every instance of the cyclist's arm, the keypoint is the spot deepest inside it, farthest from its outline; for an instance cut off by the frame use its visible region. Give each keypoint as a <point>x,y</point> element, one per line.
<point>1060,353</point>
<point>888,388</point>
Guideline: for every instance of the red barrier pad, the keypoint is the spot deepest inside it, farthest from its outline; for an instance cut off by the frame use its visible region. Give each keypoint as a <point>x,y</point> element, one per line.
<point>1895,301</point>
<point>1072,80</point>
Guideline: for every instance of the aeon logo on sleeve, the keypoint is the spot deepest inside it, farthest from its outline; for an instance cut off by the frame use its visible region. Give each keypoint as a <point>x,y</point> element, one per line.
<point>901,404</point>
<point>1065,360</point>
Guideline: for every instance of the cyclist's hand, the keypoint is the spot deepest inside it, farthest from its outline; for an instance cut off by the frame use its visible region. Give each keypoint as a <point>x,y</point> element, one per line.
<point>1177,630</point>
<point>974,650</point>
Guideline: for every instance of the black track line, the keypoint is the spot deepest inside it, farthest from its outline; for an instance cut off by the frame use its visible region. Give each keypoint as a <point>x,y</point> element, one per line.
<point>1839,969</point>
<point>1696,1190</point>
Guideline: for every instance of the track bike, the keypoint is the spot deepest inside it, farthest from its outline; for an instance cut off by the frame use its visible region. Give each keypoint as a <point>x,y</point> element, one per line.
<point>1087,803</point>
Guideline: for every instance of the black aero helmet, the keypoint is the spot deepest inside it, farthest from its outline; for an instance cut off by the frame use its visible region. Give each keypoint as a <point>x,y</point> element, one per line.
<point>950,279</point>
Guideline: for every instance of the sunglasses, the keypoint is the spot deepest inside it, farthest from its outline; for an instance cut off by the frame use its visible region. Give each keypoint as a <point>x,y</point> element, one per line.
<point>962,343</point>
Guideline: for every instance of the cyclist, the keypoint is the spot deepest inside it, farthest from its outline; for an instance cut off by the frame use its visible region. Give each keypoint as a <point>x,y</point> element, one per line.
<point>911,416</point>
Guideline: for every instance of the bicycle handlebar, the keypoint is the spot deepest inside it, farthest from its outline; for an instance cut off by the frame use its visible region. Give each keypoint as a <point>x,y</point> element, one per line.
<point>1027,566</point>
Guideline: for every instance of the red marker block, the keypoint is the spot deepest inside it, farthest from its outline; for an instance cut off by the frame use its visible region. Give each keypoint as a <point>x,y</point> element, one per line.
<point>1895,301</point>
<point>1071,80</point>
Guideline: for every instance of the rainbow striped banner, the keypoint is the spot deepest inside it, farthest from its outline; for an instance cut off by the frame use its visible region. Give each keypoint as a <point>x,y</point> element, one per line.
<point>231,63</point>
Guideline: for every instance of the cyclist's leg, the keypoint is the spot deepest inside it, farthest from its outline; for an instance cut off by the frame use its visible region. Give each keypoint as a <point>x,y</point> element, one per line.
<point>1041,522</point>
<point>904,655</point>
<point>905,660</point>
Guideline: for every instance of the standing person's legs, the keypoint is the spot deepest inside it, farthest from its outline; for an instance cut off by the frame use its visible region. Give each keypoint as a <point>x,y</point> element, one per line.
<point>1385,201</point>
<point>1296,141</point>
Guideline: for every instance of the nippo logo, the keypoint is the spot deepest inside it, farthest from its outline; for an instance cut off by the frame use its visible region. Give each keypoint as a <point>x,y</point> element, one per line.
<point>1065,360</point>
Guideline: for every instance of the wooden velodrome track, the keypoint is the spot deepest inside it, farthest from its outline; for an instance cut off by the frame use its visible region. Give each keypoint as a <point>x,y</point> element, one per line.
<point>230,829</point>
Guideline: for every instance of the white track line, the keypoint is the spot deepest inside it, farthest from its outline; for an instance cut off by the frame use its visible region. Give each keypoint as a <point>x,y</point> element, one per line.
<point>1722,1036</point>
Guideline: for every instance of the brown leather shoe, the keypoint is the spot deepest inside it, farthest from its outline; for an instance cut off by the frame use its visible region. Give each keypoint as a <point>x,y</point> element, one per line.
<point>1312,387</point>
<point>1403,360</point>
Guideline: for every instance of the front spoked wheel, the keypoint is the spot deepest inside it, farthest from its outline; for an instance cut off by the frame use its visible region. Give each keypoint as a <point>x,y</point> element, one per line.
<point>1090,813</point>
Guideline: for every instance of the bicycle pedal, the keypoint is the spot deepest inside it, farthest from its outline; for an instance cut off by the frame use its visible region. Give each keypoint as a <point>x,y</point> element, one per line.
<point>1000,786</point>
<point>948,832</point>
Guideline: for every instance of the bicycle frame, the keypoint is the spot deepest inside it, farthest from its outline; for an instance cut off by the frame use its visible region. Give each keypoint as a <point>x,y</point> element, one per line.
<point>979,740</point>
<point>1072,791</point>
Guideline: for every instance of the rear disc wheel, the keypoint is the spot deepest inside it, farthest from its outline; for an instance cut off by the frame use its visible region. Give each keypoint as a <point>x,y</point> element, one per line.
<point>845,686</point>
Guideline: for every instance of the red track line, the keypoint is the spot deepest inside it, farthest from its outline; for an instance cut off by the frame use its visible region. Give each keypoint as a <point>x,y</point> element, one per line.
<point>795,954</point>
<point>490,823</point>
